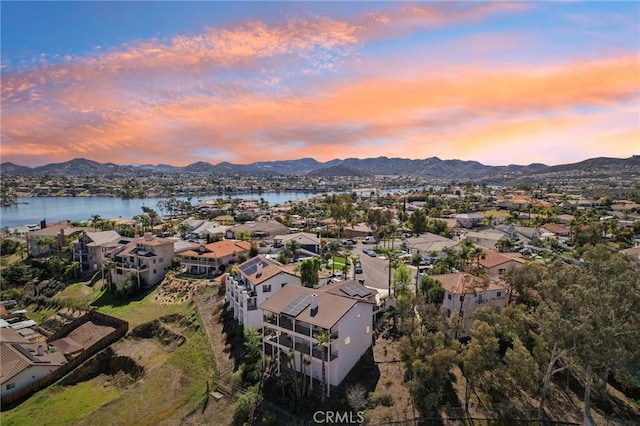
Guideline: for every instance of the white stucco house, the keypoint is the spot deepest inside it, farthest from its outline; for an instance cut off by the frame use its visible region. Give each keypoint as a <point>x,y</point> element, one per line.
<point>293,317</point>
<point>256,280</point>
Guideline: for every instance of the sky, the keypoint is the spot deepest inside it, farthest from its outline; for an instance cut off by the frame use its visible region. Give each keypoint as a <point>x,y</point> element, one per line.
<point>179,82</point>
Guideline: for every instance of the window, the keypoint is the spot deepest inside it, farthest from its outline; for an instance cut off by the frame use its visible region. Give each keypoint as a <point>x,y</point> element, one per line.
<point>266,288</point>
<point>448,297</point>
<point>347,340</point>
<point>282,285</point>
<point>11,386</point>
<point>154,271</point>
<point>499,294</point>
<point>502,271</point>
<point>161,260</point>
<point>462,298</point>
<point>367,329</point>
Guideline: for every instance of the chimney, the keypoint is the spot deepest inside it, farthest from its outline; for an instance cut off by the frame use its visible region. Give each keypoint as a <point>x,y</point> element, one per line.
<point>40,350</point>
<point>259,270</point>
<point>201,246</point>
<point>314,304</point>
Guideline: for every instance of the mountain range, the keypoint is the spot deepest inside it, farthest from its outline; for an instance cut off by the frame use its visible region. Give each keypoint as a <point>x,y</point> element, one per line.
<point>432,167</point>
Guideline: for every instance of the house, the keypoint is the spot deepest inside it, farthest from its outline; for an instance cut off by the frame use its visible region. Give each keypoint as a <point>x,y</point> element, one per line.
<point>61,234</point>
<point>148,258</point>
<point>88,250</point>
<point>256,280</point>
<point>497,264</point>
<point>293,318</point>
<point>469,220</point>
<point>258,229</point>
<point>307,241</point>
<point>356,231</point>
<point>427,243</point>
<point>213,258</point>
<point>487,238</point>
<point>464,293</point>
<point>23,363</point>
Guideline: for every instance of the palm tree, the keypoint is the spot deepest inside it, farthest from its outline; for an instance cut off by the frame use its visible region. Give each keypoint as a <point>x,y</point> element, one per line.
<point>47,243</point>
<point>21,250</point>
<point>109,266</point>
<point>415,261</point>
<point>294,246</point>
<point>333,248</point>
<point>324,340</point>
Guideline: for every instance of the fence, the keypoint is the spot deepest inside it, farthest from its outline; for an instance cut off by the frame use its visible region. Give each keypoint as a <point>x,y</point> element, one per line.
<point>121,328</point>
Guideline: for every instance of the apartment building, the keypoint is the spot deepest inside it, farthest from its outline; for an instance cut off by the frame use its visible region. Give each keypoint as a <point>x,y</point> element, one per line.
<point>294,317</point>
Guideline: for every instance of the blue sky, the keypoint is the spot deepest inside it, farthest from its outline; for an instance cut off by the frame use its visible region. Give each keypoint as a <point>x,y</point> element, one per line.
<point>179,82</point>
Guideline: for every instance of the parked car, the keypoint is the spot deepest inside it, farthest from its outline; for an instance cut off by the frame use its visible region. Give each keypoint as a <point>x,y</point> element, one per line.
<point>348,243</point>
<point>369,252</point>
<point>369,240</point>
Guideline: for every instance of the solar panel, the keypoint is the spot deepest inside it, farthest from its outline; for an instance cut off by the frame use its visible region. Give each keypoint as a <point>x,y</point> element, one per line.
<point>298,305</point>
<point>251,266</point>
<point>355,290</point>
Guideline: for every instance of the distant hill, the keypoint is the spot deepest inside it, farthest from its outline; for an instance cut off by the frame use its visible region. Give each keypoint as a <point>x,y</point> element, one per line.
<point>339,170</point>
<point>432,167</point>
<point>14,169</point>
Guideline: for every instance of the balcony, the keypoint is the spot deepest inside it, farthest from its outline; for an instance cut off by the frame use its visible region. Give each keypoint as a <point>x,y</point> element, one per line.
<point>286,322</point>
<point>252,304</point>
<point>127,265</point>
<point>303,329</point>
<point>317,353</point>
<point>485,301</point>
<point>285,341</point>
<point>271,319</point>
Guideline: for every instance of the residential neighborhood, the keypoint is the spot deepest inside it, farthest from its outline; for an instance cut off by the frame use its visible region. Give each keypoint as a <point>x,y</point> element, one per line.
<point>322,296</point>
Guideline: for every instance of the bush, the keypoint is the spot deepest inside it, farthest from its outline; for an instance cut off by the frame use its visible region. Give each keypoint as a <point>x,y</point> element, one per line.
<point>388,382</point>
<point>244,407</point>
<point>382,398</point>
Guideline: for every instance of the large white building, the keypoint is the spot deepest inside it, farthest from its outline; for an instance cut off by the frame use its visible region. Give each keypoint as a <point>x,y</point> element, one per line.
<point>465,293</point>
<point>92,248</point>
<point>256,280</point>
<point>147,258</point>
<point>294,316</point>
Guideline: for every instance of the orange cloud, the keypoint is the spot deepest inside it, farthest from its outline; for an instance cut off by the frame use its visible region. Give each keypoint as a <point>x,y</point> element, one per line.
<point>163,101</point>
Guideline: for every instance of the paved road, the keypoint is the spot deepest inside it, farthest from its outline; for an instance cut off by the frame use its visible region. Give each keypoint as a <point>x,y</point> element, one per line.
<point>374,269</point>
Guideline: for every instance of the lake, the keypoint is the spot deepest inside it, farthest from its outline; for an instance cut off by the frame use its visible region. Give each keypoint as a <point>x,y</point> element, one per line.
<point>31,210</point>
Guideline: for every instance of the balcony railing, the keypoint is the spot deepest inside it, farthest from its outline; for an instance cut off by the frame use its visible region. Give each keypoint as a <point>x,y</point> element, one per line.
<point>483,301</point>
<point>127,265</point>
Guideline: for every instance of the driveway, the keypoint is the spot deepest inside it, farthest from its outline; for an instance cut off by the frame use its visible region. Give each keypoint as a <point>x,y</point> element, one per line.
<point>374,269</point>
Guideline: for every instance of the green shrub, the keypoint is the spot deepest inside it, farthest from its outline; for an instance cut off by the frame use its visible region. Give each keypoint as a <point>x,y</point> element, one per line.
<point>382,398</point>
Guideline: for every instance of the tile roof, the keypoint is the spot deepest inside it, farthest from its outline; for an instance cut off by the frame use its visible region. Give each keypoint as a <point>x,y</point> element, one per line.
<point>16,357</point>
<point>493,258</point>
<point>464,283</point>
<point>100,238</point>
<point>330,307</point>
<point>219,249</point>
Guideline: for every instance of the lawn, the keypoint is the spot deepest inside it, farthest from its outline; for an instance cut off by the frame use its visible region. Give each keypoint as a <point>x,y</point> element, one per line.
<point>59,405</point>
<point>138,310</point>
<point>81,293</point>
<point>338,263</point>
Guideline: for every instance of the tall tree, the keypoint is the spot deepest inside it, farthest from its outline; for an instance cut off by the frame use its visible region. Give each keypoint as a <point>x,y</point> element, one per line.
<point>309,269</point>
<point>324,340</point>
